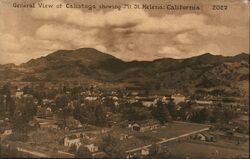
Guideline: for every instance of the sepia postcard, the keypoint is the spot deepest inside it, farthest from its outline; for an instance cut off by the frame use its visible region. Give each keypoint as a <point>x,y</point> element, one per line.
<point>129,79</point>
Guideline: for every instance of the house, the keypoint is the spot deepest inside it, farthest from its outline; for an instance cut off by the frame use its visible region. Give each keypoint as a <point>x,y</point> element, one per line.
<point>89,98</point>
<point>92,148</point>
<point>48,125</point>
<point>201,137</point>
<point>41,111</point>
<point>134,93</point>
<point>145,125</point>
<point>210,138</point>
<point>131,101</point>
<point>204,102</point>
<point>178,98</point>
<point>134,127</point>
<point>145,128</point>
<point>166,99</point>
<point>72,140</point>
<point>148,103</point>
<point>90,136</point>
<point>115,98</point>
<point>48,111</point>
<point>19,94</point>
<point>206,137</point>
<point>72,123</point>
<point>124,137</point>
<point>46,122</point>
<point>145,152</point>
<point>7,132</point>
<point>200,104</point>
<point>149,125</point>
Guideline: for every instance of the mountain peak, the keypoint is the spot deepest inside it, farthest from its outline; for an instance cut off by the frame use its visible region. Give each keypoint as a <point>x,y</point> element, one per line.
<point>207,54</point>
<point>80,54</point>
<point>242,57</point>
<point>88,49</point>
<point>68,52</point>
<point>242,54</point>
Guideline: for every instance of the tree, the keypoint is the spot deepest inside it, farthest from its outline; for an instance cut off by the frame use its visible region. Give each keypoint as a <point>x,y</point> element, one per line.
<point>6,89</point>
<point>228,115</point>
<point>109,103</point>
<point>61,101</point>
<point>24,112</point>
<point>161,113</point>
<point>136,112</point>
<point>100,116</point>
<point>2,105</point>
<point>172,109</point>
<point>215,115</point>
<point>73,148</point>
<point>28,90</point>
<point>200,116</point>
<point>108,145</point>
<point>11,105</point>
<point>83,152</point>
<point>185,109</point>
<point>203,115</point>
<point>157,86</point>
<point>92,112</point>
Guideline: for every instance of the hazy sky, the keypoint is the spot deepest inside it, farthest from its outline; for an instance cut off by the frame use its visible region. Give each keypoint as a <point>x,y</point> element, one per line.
<point>127,34</point>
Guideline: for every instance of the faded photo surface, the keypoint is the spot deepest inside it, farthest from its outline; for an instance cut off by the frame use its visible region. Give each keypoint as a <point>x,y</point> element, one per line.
<point>124,79</point>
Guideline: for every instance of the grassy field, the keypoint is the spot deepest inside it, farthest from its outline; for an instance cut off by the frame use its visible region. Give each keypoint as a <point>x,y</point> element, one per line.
<point>204,151</point>
<point>175,129</point>
<point>139,139</point>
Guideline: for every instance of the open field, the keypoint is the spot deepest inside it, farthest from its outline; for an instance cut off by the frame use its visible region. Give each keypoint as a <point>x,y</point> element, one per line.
<point>175,129</point>
<point>162,134</point>
<point>206,151</point>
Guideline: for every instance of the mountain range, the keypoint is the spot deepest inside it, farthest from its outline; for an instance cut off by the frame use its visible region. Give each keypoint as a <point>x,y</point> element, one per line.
<point>207,72</point>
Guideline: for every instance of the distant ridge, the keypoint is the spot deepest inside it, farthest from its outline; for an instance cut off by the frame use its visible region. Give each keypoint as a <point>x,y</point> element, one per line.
<point>206,71</point>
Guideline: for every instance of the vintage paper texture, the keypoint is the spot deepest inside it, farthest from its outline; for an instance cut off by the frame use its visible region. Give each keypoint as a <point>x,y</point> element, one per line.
<point>124,78</point>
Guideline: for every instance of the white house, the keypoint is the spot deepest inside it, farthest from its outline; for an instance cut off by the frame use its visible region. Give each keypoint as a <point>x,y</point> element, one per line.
<point>124,137</point>
<point>92,148</point>
<point>178,98</point>
<point>48,125</point>
<point>91,98</point>
<point>48,111</point>
<point>115,98</point>
<point>201,137</point>
<point>148,103</point>
<point>72,140</point>
<point>7,132</point>
<point>134,127</point>
<point>144,152</point>
<point>19,94</point>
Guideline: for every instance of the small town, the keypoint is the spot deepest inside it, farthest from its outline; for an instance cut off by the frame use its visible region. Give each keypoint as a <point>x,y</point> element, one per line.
<point>124,79</point>
<point>73,120</point>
